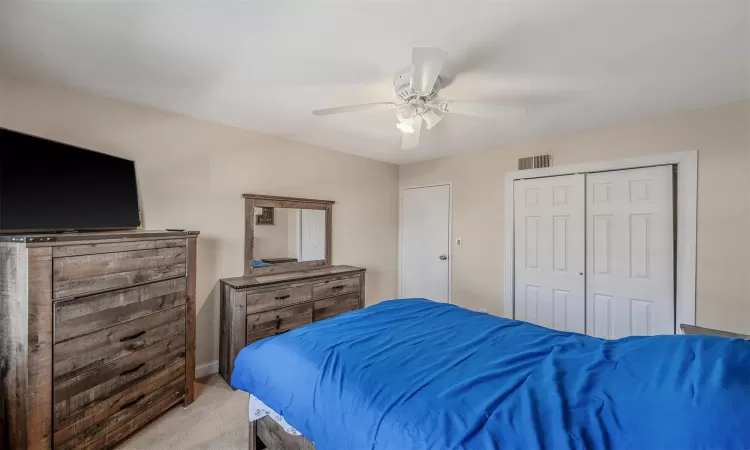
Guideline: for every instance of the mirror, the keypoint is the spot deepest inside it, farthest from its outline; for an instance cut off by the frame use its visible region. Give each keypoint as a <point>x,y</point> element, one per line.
<point>284,234</point>
<point>288,235</point>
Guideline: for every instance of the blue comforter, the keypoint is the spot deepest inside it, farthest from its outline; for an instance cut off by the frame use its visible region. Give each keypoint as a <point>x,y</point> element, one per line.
<point>415,374</point>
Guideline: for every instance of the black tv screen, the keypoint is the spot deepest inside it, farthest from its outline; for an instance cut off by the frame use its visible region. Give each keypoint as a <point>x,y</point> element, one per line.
<point>49,186</point>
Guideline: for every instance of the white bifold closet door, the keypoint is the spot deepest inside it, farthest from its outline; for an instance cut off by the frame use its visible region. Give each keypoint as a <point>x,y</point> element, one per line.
<point>549,252</point>
<point>630,253</point>
<point>594,253</point>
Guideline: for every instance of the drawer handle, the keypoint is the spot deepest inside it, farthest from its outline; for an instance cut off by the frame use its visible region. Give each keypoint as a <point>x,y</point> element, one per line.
<point>282,297</point>
<point>340,286</point>
<point>134,369</point>
<point>278,323</point>
<point>130,338</point>
<point>131,403</point>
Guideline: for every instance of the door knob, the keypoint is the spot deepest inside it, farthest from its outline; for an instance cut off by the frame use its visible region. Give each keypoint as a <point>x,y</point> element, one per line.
<point>443,257</point>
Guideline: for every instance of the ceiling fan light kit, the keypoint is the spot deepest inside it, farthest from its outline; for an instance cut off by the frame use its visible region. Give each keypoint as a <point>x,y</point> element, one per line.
<point>418,87</point>
<point>406,127</point>
<point>406,112</point>
<point>431,118</point>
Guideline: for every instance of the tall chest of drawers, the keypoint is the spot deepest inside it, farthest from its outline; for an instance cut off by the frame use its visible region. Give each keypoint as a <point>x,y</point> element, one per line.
<point>255,307</point>
<point>98,334</point>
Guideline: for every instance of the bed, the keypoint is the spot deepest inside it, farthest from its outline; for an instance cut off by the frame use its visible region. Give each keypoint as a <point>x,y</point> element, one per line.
<point>413,373</point>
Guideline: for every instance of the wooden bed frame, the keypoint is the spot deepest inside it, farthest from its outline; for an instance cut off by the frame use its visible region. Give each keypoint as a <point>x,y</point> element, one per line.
<point>265,433</point>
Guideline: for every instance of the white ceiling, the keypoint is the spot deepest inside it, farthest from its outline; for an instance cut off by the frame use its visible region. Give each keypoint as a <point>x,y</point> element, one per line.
<point>264,65</point>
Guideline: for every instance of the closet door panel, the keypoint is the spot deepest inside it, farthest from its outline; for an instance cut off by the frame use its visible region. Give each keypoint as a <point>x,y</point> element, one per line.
<point>630,253</point>
<point>549,252</point>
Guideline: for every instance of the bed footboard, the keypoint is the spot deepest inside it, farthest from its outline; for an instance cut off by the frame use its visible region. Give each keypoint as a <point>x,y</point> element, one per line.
<point>265,433</point>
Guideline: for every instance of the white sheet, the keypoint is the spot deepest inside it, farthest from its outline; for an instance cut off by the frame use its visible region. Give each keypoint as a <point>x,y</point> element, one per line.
<point>258,410</point>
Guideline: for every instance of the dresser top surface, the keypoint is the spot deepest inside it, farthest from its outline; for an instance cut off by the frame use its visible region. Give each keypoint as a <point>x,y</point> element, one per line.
<point>249,281</point>
<point>76,237</point>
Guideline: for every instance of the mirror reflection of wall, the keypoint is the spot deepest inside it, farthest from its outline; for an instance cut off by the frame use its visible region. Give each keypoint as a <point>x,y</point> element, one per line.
<point>295,235</point>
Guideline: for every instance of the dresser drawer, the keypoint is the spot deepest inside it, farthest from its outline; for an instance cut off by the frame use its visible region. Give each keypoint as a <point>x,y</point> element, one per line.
<point>80,275</point>
<point>269,323</point>
<point>88,314</point>
<point>274,299</point>
<point>335,287</point>
<point>324,309</point>
<point>89,388</point>
<point>114,247</point>
<point>141,420</point>
<point>92,424</point>
<point>81,354</point>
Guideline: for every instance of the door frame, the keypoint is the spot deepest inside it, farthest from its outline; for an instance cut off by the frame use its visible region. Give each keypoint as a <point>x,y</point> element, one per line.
<point>450,232</point>
<point>687,215</point>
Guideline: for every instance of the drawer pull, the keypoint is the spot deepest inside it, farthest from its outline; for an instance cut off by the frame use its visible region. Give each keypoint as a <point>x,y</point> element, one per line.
<point>340,286</point>
<point>282,297</point>
<point>131,403</point>
<point>130,338</point>
<point>134,369</point>
<point>278,323</point>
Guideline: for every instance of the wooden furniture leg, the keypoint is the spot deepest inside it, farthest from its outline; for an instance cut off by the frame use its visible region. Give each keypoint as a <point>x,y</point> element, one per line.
<point>252,437</point>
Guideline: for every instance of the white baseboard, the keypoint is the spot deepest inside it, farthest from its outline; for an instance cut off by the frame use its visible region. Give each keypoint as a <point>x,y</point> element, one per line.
<point>204,370</point>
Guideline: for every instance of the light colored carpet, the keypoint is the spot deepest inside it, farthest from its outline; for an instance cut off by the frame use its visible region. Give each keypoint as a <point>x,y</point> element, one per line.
<point>216,420</point>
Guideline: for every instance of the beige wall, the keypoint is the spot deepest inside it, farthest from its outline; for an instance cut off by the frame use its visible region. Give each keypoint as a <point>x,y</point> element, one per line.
<point>191,174</point>
<point>722,137</point>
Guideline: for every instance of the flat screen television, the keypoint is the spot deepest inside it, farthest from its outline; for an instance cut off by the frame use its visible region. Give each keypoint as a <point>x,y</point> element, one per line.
<point>47,186</point>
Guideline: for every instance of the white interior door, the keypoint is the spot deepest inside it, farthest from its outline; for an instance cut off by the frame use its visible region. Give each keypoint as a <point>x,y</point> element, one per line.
<point>425,243</point>
<point>549,252</point>
<point>630,251</point>
<point>312,234</point>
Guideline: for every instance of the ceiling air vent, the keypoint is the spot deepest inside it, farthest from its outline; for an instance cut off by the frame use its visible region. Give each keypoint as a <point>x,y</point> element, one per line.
<point>534,162</point>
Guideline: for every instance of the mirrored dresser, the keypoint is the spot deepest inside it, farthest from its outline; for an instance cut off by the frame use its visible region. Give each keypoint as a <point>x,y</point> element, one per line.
<point>289,280</point>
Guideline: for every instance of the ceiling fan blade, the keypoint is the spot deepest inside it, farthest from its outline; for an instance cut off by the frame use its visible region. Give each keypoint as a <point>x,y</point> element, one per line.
<point>478,109</point>
<point>411,140</point>
<point>353,108</point>
<point>426,64</point>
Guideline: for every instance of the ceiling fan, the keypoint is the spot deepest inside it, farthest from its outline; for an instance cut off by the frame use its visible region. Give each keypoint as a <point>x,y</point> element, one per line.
<point>418,89</point>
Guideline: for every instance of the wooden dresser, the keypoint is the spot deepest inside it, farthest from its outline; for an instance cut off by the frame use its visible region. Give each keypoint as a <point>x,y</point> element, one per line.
<point>254,307</point>
<point>280,292</point>
<point>98,334</point>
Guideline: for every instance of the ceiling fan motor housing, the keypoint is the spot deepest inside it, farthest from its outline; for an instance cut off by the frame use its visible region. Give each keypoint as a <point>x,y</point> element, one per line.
<point>402,87</point>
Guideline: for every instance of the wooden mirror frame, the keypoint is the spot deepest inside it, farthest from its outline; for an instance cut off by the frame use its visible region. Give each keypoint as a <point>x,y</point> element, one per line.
<point>268,201</point>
